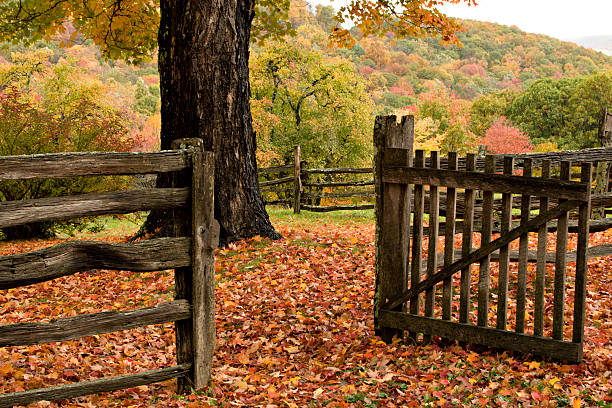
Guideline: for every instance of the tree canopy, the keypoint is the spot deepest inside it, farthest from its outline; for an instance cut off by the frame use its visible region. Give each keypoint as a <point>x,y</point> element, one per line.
<point>128,29</point>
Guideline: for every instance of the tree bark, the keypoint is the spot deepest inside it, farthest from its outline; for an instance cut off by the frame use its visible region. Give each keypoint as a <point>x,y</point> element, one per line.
<point>205,93</point>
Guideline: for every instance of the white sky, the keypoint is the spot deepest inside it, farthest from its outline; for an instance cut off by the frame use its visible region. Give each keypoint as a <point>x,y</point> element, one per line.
<point>563,19</point>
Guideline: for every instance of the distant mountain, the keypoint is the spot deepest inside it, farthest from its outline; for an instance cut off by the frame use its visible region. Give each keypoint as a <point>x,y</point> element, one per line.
<point>602,43</point>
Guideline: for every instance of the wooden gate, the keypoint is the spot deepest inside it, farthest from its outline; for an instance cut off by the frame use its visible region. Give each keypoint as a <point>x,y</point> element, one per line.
<point>417,289</point>
<point>190,253</point>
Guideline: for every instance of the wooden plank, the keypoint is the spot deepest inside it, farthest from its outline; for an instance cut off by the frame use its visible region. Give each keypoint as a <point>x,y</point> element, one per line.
<point>297,180</point>
<point>601,200</point>
<point>466,244</point>
<point>584,214</point>
<point>277,202</point>
<point>183,277</point>
<point>560,264</point>
<point>337,208</point>
<point>540,280</point>
<point>484,251</point>
<point>521,290</point>
<point>485,263</point>
<point>585,155</point>
<point>79,256</point>
<point>417,237</point>
<point>88,205</point>
<point>392,216</point>
<point>275,169</point>
<point>276,181</point>
<point>504,252</point>
<point>498,183</point>
<point>449,240</point>
<point>69,328</point>
<point>205,240</point>
<point>432,250</point>
<point>62,392</point>
<point>367,170</point>
<point>487,336</point>
<point>59,165</point>
<point>368,193</point>
<point>339,184</point>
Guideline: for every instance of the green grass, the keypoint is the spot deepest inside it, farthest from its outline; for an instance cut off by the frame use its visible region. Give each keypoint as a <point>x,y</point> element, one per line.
<point>286,216</point>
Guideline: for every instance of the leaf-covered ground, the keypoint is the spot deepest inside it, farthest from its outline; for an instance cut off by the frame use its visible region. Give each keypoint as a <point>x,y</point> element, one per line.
<point>295,329</point>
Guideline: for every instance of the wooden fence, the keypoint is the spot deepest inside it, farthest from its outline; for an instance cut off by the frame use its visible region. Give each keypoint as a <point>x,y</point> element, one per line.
<point>409,278</point>
<point>302,188</point>
<point>190,253</point>
<point>294,185</point>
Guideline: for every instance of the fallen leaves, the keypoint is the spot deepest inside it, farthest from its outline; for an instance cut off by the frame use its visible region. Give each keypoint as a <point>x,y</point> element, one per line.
<point>295,329</point>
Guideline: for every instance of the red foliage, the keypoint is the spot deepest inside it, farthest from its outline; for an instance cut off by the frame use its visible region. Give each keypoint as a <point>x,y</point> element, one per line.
<point>366,70</point>
<point>502,138</point>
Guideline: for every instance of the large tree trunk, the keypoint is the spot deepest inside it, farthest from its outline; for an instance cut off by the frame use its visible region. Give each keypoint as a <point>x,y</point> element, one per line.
<point>205,93</point>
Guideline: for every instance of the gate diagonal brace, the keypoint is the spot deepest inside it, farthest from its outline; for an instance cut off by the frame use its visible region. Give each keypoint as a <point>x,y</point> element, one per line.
<point>482,252</point>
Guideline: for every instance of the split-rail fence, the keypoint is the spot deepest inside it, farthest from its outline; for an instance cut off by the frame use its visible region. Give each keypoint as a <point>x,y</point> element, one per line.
<point>415,285</point>
<point>189,253</point>
<point>301,188</point>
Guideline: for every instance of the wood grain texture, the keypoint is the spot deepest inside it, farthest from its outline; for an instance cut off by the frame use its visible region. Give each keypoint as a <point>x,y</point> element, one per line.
<point>367,170</point>
<point>540,279</point>
<point>59,165</point>
<point>521,289</point>
<point>417,238</point>
<point>485,263</point>
<point>79,256</point>
<point>79,389</point>
<point>449,240</point>
<point>484,251</point>
<point>392,216</point>
<point>487,336</point>
<point>276,181</point>
<point>69,328</point>
<point>466,243</point>
<point>499,183</point>
<point>560,264</point>
<point>205,241</point>
<point>580,293</point>
<point>337,207</point>
<point>432,250</point>
<point>88,205</point>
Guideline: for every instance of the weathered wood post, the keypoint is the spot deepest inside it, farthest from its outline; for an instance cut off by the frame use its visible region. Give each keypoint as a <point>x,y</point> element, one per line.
<point>297,180</point>
<point>393,143</point>
<point>603,170</point>
<point>195,338</point>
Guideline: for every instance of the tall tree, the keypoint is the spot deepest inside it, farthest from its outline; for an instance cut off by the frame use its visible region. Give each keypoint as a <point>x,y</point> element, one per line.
<point>203,64</point>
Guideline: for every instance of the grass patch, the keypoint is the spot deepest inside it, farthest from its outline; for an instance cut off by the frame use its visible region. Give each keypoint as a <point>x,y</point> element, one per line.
<point>285,216</point>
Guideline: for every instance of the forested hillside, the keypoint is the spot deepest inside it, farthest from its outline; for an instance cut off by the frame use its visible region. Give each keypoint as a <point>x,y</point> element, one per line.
<point>502,84</point>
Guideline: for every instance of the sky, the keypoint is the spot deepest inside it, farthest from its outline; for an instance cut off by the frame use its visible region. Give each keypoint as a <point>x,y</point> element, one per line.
<point>562,19</point>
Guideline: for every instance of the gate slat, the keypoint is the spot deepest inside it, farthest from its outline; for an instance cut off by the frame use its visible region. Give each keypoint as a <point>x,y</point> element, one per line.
<point>466,247</point>
<point>432,250</point>
<point>560,263</point>
<point>584,215</point>
<point>504,252</point>
<point>449,240</point>
<point>523,255</point>
<point>417,236</point>
<point>540,280</point>
<point>485,263</point>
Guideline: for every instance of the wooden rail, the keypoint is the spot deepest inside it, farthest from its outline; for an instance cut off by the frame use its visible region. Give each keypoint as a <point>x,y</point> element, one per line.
<point>189,253</point>
<point>404,296</point>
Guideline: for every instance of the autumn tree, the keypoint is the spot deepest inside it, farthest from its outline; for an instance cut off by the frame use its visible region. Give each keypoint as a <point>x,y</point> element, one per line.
<point>503,138</point>
<point>203,64</point>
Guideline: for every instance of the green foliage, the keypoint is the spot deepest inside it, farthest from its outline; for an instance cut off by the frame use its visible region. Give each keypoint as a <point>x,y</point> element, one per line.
<point>60,112</point>
<point>565,111</point>
<point>303,98</point>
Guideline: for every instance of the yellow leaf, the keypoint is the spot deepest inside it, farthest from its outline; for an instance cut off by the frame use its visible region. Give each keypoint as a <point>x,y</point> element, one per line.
<point>317,392</point>
<point>577,403</point>
<point>534,365</point>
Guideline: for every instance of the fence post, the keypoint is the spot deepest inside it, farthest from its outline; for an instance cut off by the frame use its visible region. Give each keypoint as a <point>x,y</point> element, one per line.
<point>392,215</point>
<point>297,180</point>
<point>195,338</point>
<point>604,168</point>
